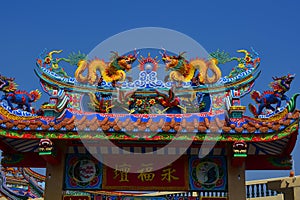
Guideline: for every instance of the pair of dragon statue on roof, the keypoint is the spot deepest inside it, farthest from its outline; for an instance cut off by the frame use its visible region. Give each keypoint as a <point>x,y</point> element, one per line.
<point>197,71</point>
<point>182,70</point>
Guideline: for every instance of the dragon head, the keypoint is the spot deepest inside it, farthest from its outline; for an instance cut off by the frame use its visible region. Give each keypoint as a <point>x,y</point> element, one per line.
<point>250,58</point>
<point>287,79</point>
<point>173,62</point>
<point>47,58</point>
<point>7,84</point>
<point>123,62</point>
<point>3,82</point>
<point>282,84</point>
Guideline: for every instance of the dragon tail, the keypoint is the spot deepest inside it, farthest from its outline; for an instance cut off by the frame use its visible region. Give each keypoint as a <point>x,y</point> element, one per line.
<point>292,103</point>
<point>82,65</point>
<point>204,68</point>
<point>35,95</point>
<point>252,109</point>
<point>91,69</point>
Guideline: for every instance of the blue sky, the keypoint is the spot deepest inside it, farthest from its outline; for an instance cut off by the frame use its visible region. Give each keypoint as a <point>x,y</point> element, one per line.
<point>271,27</point>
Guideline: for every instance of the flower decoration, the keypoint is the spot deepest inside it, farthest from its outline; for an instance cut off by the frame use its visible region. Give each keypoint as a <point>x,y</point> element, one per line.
<point>139,102</point>
<point>152,101</point>
<point>47,60</point>
<point>248,59</point>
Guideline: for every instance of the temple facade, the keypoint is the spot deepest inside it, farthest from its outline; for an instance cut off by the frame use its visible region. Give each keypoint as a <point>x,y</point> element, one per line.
<point>147,120</point>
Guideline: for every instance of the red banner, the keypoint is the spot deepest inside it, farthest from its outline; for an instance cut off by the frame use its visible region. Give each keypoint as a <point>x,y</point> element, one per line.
<point>171,177</point>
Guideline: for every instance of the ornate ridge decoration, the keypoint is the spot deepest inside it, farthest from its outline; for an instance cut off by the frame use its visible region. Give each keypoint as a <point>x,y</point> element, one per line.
<point>183,70</point>
<point>280,86</point>
<point>13,96</point>
<point>16,116</point>
<point>193,97</point>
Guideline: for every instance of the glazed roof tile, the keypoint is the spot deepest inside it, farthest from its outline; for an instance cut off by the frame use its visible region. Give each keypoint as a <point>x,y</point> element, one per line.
<point>130,125</point>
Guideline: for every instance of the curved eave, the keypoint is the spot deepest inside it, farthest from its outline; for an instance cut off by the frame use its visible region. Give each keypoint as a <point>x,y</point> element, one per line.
<point>34,174</point>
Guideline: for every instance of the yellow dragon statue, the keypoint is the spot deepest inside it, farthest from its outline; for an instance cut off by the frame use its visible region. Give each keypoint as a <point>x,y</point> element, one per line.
<point>110,72</point>
<point>184,71</point>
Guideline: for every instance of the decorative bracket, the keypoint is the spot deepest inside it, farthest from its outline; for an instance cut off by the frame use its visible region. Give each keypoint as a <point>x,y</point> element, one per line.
<point>239,152</point>
<point>48,152</point>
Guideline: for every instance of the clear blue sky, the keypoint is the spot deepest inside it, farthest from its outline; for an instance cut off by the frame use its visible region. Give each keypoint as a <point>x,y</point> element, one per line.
<point>271,27</point>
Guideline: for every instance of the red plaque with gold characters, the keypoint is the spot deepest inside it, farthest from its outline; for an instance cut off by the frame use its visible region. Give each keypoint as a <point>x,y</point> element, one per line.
<point>171,177</point>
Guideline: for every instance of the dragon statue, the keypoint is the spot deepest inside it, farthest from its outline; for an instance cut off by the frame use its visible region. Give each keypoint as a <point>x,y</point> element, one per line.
<point>111,72</point>
<point>250,60</point>
<point>169,101</point>
<point>134,103</point>
<point>14,96</point>
<point>101,102</point>
<point>280,86</point>
<point>184,71</point>
<point>53,63</point>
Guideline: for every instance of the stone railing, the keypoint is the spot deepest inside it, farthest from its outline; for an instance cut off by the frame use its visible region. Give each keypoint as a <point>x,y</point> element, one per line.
<point>256,190</point>
<point>259,188</point>
<point>196,195</point>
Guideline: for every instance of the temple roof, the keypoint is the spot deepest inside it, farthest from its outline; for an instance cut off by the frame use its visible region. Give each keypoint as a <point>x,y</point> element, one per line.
<point>151,127</point>
<point>190,100</point>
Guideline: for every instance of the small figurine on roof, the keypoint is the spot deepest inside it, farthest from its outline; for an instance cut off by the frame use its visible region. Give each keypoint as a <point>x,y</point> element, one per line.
<point>195,70</point>
<point>14,96</point>
<point>250,59</point>
<point>47,60</point>
<point>111,72</point>
<point>265,100</point>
